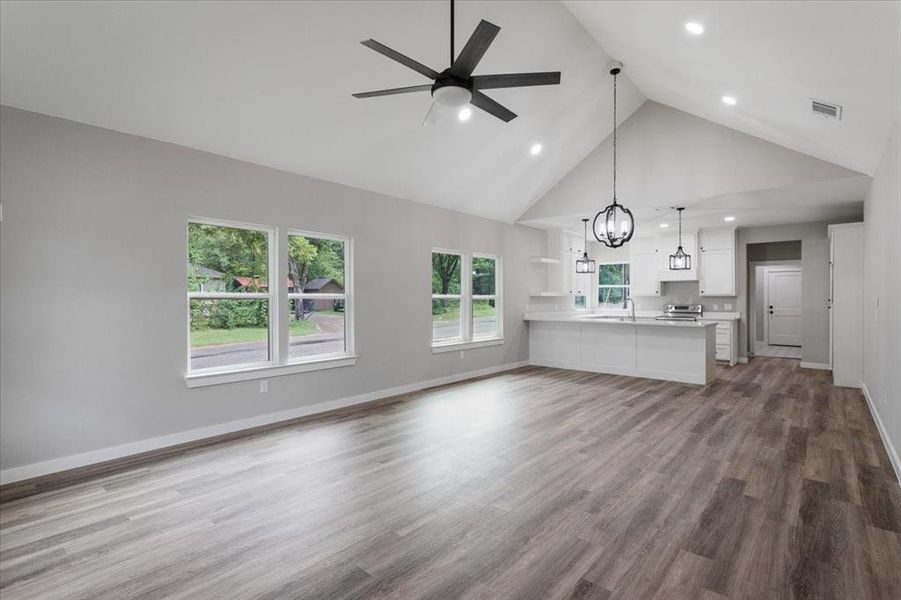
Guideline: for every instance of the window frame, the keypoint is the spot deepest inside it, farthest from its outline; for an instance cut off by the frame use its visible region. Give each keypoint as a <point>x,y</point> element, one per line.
<point>465,291</point>
<point>497,296</point>
<point>269,296</point>
<point>466,298</point>
<point>278,298</point>
<point>347,296</point>
<point>627,288</point>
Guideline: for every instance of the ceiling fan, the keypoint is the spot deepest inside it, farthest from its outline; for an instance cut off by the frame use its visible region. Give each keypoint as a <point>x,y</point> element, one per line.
<point>456,85</point>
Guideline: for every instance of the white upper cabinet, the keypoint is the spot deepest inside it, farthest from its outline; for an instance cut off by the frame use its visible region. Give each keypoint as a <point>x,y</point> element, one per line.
<point>644,267</point>
<point>716,249</point>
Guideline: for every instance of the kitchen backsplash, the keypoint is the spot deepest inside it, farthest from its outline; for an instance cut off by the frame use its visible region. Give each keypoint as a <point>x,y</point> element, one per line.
<point>685,292</point>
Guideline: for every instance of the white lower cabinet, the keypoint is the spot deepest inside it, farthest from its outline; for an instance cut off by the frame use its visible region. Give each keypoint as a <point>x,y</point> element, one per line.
<point>726,339</point>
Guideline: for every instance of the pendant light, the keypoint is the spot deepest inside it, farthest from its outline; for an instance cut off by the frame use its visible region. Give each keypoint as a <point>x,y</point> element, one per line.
<point>614,225</point>
<point>585,264</point>
<point>680,261</point>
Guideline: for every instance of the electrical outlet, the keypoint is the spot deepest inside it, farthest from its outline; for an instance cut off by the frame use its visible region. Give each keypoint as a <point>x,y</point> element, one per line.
<point>461,354</point>
<point>716,307</point>
<point>264,386</point>
<point>728,306</point>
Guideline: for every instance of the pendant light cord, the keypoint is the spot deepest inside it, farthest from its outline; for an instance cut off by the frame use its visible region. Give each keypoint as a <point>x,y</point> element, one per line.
<point>452,33</point>
<point>680,227</point>
<point>614,137</point>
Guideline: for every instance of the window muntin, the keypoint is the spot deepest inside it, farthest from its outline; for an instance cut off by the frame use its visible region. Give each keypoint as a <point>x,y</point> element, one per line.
<point>317,296</point>
<point>613,285</point>
<point>229,297</point>
<point>485,313</point>
<point>447,295</point>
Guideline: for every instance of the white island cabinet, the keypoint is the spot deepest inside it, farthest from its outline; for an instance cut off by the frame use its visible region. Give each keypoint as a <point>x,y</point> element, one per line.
<point>669,350</point>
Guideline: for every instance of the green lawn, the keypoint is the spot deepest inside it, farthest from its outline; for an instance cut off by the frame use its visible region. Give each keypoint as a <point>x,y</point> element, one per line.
<point>480,308</point>
<point>217,337</point>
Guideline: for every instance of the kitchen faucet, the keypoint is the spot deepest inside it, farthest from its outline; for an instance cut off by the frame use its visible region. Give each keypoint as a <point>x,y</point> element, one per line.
<point>632,302</point>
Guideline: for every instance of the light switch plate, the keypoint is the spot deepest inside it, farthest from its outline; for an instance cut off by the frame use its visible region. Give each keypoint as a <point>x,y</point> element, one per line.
<point>264,386</point>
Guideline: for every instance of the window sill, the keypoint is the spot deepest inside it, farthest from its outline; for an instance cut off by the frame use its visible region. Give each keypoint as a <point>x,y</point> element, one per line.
<point>193,380</point>
<point>453,346</point>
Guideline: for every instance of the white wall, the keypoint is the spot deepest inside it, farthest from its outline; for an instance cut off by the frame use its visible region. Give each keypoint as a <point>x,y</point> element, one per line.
<point>92,276</point>
<point>882,291</point>
<point>666,156</point>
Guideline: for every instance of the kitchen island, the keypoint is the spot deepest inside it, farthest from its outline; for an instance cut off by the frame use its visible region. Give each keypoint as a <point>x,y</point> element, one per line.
<point>682,351</point>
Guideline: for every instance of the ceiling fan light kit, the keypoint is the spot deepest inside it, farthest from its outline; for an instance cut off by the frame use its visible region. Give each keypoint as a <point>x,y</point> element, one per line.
<point>680,261</point>
<point>456,86</point>
<point>615,225</point>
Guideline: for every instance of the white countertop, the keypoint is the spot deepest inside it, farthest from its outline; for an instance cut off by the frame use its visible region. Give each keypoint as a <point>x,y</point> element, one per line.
<point>721,316</point>
<point>586,318</point>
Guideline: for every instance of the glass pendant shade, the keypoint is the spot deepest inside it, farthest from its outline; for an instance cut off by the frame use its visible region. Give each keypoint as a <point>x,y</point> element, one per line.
<point>680,261</point>
<point>614,225</point>
<point>585,264</point>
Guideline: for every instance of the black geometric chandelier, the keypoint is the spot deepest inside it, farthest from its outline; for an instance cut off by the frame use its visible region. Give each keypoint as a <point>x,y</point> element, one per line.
<point>680,261</point>
<point>585,264</point>
<point>614,225</point>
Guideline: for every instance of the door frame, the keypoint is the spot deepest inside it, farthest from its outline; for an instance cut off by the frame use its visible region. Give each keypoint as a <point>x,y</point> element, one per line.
<point>768,265</point>
<point>766,295</point>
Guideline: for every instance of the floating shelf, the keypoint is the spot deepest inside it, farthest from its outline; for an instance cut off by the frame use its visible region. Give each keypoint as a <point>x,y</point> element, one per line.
<point>550,294</point>
<point>544,260</point>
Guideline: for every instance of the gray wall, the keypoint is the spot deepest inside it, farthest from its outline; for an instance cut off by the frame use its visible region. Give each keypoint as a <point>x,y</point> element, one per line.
<point>882,289</point>
<point>775,251</point>
<point>815,283</point>
<point>92,274</point>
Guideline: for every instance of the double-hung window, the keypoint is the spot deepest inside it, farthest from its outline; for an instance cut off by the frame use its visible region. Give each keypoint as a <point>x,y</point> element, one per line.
<point>317,295</point>
<point>613,285</point>
<point>244,322</point>
<point>466,299</point>
<point>229,297</point>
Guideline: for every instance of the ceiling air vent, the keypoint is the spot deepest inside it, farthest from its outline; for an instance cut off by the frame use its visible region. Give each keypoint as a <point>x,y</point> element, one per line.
<point>824,109</point>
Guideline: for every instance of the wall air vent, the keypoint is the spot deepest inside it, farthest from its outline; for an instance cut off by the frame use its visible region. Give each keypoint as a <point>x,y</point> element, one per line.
<point>825,109</point>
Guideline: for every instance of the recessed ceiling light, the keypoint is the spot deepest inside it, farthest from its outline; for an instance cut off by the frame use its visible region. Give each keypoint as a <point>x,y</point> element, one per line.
<point>730,100</point>
<point>535,149</point>
<point>464,113</point>
<point>664,225</point>
<point>728,219</point>
<point>694,28</point>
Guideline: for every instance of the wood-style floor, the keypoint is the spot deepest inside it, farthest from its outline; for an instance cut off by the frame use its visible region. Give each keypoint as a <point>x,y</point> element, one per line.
<point>538,483</point>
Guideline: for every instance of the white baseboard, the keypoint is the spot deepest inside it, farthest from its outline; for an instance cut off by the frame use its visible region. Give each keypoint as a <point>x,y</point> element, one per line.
<point>813,365</point>
<point>65,463</point>
<point>886,440</point>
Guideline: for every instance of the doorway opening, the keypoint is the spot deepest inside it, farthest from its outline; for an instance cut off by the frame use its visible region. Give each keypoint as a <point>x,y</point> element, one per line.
<point>776,309</point>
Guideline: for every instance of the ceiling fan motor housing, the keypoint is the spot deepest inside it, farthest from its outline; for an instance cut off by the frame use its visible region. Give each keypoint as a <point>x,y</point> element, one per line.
<point>451,91</point>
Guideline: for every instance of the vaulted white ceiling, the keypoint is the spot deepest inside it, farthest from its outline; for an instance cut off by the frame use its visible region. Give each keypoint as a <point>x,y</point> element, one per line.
<point>773,57</point>
<point>271,83</point>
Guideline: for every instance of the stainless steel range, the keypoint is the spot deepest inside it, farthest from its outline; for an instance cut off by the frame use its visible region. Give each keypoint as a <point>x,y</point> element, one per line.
<point>681,312</point>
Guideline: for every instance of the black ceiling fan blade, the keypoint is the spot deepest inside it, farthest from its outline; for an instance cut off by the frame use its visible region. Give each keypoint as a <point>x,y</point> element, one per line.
<point>508,80</point>
<point>401,90</point>
<point>474,49</point>
<point>480,100</point>
<point>404,60</point>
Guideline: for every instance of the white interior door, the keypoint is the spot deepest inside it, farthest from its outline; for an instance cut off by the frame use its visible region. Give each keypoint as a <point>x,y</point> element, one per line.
<point>784,307</point>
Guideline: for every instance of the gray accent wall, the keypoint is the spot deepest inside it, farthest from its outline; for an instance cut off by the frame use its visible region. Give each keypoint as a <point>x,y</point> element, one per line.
<point>92,275</point>
<point>882,291</point>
